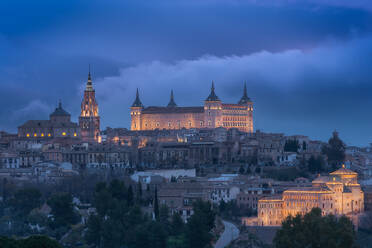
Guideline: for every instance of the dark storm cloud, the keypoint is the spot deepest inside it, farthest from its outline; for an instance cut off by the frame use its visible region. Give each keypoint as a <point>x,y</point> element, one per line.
<point>292,52</point>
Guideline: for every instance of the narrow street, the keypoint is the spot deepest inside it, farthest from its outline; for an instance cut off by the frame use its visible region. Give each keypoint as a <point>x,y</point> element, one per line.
<point>230,233</point>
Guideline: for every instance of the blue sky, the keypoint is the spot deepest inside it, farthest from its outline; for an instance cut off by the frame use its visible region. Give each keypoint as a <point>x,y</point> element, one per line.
<point>307,63</point>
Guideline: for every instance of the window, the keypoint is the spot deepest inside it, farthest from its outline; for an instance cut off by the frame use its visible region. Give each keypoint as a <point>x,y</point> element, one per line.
<point>42,135</point>
<point>63,133</point>
<point>28,135</point>
<point>49,135</point>
<point>169,124</point>
<point>209,123</point>
<point>75,134</point>
<point>35,135</point>
<point>201,123</point>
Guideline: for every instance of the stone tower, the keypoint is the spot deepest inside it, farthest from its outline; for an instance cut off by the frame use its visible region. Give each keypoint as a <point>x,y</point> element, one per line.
<point>135,113</point>
<point>89,120</point>
<point>247,116</point>
<point>212,110</point>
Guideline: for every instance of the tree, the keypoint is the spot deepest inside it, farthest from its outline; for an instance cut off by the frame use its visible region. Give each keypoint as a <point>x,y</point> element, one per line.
<point>94,232</point>
<point>199,225</point>
<point>30,242</point>
<point>156,205</point>
<point>117,189</point>
<point>241,170</point>
<point>314,230</point>
<point>25,200</point>
<point>139,191</point>
<point>130,196</point>
<point>38,242</point>
<point>6,242</point>
<point>335,150</point>
<point>315,164</point>
<point>164,215</point>
<point>177,225</point>
<point>62,210</point>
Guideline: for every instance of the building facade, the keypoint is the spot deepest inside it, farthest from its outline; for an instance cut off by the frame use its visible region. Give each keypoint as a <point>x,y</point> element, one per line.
<point>337,194</point>
<point>59,125</point>
<point>213,114</point>
<point>89,119</point>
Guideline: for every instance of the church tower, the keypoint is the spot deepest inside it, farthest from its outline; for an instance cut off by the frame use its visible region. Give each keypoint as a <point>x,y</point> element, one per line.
<point>212,111</point>
<point>135,113</point>
<point>89,120</point>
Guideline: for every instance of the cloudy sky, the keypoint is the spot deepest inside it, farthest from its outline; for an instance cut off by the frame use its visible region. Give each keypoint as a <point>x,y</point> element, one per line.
<point>307,64</point>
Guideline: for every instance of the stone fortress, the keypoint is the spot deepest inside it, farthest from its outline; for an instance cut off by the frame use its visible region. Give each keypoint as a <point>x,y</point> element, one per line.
<point>213,114</point>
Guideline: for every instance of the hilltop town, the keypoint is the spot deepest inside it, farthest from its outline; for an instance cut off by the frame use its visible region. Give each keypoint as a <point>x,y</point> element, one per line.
<point>172,157</point>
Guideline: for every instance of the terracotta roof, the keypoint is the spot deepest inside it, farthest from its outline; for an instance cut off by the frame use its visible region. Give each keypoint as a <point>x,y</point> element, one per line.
<point>175,110</point>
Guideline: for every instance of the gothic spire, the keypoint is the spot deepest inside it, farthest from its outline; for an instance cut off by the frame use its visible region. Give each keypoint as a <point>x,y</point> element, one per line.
<point>137,102</point>
<point>245,99</point>
<point>212,96</point>
<point>89,86</point>
<point>172,103</point>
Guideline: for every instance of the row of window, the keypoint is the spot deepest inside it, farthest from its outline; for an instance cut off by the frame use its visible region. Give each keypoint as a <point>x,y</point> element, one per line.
<point>48,135</point>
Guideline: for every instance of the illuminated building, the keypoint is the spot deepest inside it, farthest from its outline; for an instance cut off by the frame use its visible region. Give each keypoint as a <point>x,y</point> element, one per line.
<point>213,114</point>
<point>338,194</point>
<point>58,125</point>
<point>89,120</point>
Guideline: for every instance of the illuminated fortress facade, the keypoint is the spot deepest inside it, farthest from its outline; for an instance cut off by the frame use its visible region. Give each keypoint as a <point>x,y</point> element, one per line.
<point>213,114</point>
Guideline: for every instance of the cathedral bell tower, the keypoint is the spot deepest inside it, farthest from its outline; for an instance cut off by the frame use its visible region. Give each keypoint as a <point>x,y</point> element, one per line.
<point>212,110</point>
<point>135,113</point>
<point>89,120</point>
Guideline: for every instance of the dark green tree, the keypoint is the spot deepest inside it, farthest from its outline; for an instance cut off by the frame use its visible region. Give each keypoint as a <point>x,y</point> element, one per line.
<point>117,189</point>
<point>199,225</point>
<point>177,225</point>
<point>156,205</point>
<point>241,170</point>
<point>62,210</point>
<point>38,242</point>
<point>315,164</point>
<point>130,196</point>
<point>164,215</point>
<point>335,151</point>
<point>315,230</point>
<point>25,200</point>
<point>6,242</point>
<point>94,232</point>
<point>139,192</point>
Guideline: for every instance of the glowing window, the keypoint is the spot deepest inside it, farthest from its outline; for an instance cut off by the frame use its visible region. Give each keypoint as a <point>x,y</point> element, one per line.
<point>28,135</point>
<point>64,134</point>
<point>35,135</point>
<point>75,134</point>
<point>42,134</point>
<point>49,135</point>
